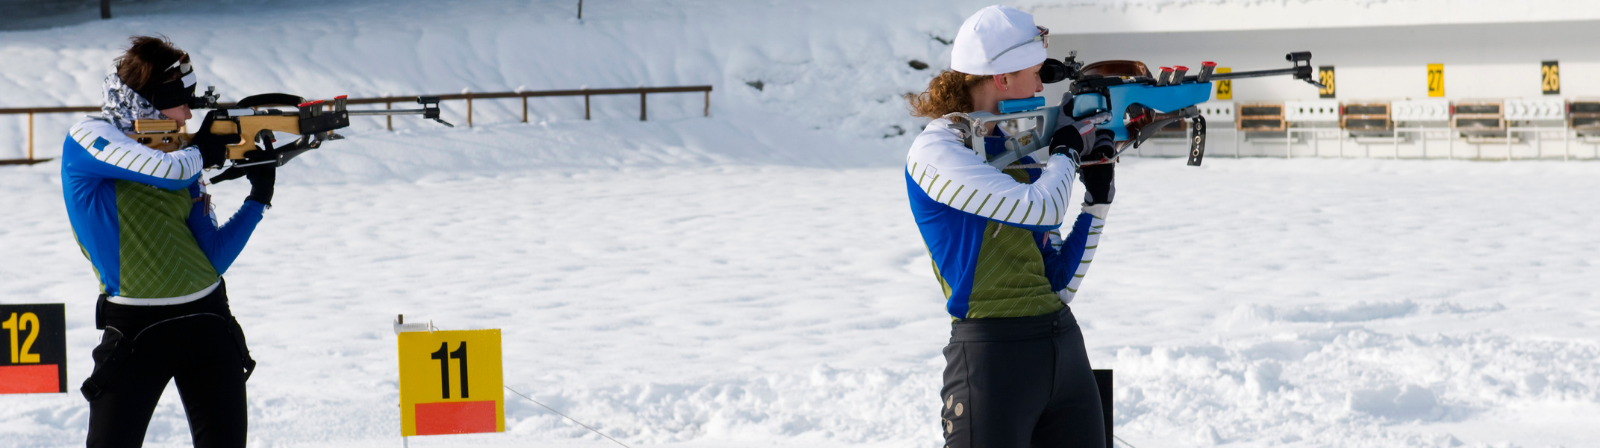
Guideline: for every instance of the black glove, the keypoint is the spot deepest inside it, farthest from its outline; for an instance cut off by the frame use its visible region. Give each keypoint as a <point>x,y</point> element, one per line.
<point>213,147</point>
<point>261,177</point>
<point>1067,141</point>
<point>1099,179</point>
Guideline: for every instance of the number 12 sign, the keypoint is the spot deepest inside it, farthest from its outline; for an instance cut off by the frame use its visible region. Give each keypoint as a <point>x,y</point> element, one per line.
<point>450,383</point>
<point>35,340</point>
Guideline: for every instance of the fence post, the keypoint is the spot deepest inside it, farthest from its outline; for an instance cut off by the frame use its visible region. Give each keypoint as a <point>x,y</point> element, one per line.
<point>389,119</point>
<point>30,135</point>
<point>586,106</point>
<point>641,106</point>
<point>524,107</point>
<point>469,109</point>
<point>708,103</point>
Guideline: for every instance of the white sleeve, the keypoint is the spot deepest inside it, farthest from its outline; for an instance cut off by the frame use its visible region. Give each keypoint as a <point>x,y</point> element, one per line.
<point>955,176</point>
<point>108,144</point>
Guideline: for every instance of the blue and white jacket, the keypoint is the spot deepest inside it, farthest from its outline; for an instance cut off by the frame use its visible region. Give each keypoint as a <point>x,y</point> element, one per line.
<point>995,235</point>
<point>141,216</point>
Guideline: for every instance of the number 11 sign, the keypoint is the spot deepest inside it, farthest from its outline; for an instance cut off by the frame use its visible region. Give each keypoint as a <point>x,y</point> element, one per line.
<point>450,383</point>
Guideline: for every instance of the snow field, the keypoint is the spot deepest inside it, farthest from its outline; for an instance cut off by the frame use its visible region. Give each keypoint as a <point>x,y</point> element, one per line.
<point>660,296</point>
<point>736,306</point>
<point>1350,303</point>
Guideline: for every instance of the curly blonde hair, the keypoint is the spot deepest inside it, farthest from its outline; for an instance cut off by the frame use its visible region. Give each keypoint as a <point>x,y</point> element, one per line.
<point>951,91</point>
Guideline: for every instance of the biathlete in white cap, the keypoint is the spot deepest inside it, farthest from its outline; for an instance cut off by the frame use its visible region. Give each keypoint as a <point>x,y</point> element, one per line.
<point>1016,372</point>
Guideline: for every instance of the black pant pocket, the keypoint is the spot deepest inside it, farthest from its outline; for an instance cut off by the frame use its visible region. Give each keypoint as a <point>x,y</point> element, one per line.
<point>113,351</point>
<point>244,349</point>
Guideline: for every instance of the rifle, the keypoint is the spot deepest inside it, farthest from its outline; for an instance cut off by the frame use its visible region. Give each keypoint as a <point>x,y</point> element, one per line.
<point>1120,97</point>
<point>254,119</point>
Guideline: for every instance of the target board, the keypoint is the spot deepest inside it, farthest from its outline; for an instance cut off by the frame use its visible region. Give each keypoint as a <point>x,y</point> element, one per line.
<point>450,383</point>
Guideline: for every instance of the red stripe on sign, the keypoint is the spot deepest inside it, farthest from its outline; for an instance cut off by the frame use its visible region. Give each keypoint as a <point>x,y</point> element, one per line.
<point>460,417</point>
<point>30,379</point>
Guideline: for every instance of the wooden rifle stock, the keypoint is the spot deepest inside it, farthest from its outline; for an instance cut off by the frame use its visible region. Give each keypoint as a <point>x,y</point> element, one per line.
<point>170,141</point>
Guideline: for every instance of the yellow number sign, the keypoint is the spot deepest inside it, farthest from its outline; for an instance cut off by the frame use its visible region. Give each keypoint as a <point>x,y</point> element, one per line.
<point>1436,80</point>
<point>450,383</point>
<point>1224,86</point>
<point>35,338</point>
<point>1325,77</point>
<point>1550,77</point>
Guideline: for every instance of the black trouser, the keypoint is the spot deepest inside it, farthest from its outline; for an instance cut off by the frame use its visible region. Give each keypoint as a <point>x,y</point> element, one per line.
<point>197,343</point>
<point>1020,382</point>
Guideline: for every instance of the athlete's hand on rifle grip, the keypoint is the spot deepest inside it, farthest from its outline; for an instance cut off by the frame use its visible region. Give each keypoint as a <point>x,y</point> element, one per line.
<point>1099,179</point>
<point>213,148</point>
<point>261,177</point>
<point>1067,141</point>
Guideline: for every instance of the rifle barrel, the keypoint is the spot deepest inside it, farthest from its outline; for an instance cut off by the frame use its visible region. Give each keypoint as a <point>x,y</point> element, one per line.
<point>1252,74</point>
<point>387,111</point>
<point>1302,73</point>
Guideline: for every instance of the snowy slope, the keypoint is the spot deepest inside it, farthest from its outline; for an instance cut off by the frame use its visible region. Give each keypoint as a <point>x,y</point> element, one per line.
<point>754,278</point>
<point>845,82</point>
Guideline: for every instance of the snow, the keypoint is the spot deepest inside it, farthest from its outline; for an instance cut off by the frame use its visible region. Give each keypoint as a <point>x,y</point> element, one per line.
<point>754,278</point>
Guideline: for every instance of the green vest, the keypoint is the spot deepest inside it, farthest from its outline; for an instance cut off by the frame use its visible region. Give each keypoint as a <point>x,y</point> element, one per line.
<point>1009,280</point>
<point>159,255</point>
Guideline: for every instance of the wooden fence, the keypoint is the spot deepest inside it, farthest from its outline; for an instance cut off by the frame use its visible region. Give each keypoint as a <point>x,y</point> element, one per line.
<point>389,101</point>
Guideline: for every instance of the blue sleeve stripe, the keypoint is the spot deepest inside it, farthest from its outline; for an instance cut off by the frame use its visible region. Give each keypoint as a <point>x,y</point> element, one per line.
<point>1076,243</point>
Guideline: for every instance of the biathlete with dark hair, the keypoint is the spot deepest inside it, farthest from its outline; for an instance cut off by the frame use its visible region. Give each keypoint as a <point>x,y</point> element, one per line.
<point>1016,373</point>
<point>145,222</point>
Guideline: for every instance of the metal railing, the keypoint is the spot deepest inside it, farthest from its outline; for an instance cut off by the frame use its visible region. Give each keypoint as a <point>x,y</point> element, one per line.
<point>389,101</point>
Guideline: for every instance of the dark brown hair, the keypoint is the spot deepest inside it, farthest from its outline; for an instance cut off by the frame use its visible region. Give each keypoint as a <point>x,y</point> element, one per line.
<point>951,91</point>
<point>146,58</point>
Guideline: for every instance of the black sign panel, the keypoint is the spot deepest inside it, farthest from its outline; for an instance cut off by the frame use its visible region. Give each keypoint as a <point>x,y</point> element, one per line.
<point>1325,76</point>
<point>34,340</point>
<point>1550,77</point>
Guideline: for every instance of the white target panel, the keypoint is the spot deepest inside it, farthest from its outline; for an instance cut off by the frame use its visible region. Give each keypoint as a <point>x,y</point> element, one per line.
<point>1435,110</point>
<point>1536,109</point>
<point>1217,111</point>
<point>1319,112</point>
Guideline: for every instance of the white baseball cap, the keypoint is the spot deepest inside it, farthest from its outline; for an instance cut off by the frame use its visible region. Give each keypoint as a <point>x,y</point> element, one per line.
<point>997,40</point>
